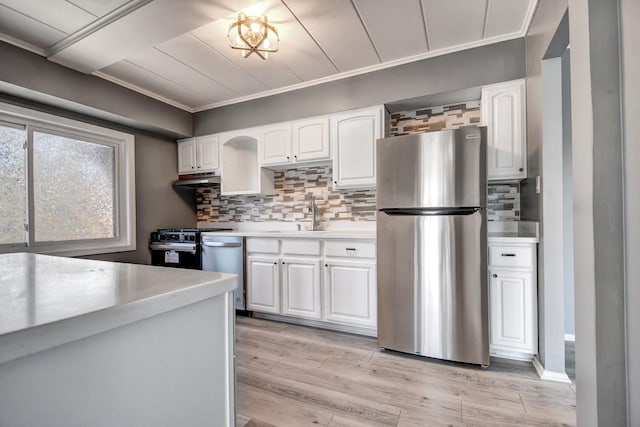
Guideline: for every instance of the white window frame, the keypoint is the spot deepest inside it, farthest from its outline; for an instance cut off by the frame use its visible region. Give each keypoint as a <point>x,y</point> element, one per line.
<point>125,198</point>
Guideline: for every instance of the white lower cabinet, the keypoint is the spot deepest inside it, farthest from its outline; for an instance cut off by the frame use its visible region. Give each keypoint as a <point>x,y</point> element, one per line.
<point>350,292</point>
<point>263,283</point>
<point>513,301</point>
<point>284,277</point>
<point>301,287</point>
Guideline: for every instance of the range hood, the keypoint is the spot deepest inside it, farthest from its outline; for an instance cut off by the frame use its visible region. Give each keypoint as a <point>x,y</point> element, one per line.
<point>197,181</point>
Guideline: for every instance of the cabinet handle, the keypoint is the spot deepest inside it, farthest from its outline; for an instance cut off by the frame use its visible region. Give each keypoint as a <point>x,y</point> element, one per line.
<point>351,249</point>
<point>495,276</point>
<point>507,254</point>
<point>521,170</point>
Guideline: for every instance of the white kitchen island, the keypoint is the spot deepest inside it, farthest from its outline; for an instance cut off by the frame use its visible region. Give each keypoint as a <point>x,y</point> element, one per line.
<point>94,343</point>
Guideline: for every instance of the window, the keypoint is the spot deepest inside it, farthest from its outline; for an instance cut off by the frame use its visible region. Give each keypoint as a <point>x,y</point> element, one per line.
<point>66,187</point>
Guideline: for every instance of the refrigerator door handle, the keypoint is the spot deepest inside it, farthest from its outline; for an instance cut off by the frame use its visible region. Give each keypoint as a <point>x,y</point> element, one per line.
<point>430,211</point>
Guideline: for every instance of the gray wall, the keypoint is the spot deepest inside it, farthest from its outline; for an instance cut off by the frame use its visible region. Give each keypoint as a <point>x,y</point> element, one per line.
<point>157,204</point>
<point>601,380</point>
<point>567,202</point>
<point>551,283</point>
<point>475,67</point>
<point>543,28</point>
<point>543,36</point>
<point>629,14</point>
<point>30,76</point>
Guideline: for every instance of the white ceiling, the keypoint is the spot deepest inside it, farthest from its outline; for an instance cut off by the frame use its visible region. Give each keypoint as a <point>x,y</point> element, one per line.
<point>177,51</point>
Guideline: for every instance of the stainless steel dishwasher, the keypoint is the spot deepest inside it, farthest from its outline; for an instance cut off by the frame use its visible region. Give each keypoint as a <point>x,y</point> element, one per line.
<point>225,254</point>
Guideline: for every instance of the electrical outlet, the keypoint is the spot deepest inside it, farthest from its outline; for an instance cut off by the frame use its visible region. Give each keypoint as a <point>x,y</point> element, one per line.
<point>255,211</point>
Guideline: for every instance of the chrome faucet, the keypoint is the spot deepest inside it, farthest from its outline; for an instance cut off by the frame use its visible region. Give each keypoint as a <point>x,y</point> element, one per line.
<point>315,218</point>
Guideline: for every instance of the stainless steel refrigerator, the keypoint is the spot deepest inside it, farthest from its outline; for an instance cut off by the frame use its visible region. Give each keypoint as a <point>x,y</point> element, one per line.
<point>432,244</point>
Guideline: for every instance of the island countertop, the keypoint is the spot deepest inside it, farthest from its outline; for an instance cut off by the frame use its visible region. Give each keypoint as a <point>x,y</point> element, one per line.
<point>47,301</point>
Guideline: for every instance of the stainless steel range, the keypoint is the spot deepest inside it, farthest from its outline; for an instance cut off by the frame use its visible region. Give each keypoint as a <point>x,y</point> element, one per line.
<point>178,247</point>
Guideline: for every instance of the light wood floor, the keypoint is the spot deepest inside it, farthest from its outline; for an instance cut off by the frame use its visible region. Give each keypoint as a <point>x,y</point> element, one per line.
<point>289,375</point>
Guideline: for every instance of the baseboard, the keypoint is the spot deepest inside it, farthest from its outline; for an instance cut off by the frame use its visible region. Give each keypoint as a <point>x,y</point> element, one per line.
<point>358,330</point>
<point>544,374</point>
<point>570,337</point>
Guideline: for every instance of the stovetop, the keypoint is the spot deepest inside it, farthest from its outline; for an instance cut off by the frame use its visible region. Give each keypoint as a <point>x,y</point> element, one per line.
<point>182,235</point>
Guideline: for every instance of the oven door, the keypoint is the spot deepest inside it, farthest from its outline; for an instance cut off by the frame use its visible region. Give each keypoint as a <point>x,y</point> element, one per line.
<point>181,255</point>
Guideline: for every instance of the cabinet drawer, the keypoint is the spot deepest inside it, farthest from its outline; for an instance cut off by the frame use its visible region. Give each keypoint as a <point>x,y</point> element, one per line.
<point>511,256</point>
<point>264,245</point>
<point>301,246</point>
<point>350,249</point>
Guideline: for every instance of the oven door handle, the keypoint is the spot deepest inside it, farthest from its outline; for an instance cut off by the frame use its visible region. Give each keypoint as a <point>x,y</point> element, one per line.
<point>221,244</point>
<point>178,247</point>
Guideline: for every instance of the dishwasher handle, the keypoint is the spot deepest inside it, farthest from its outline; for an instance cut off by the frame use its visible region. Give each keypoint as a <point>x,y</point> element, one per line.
<point>221,244</point>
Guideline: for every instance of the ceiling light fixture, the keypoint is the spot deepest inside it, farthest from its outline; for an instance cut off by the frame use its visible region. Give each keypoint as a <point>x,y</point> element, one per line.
<point>250,34</point>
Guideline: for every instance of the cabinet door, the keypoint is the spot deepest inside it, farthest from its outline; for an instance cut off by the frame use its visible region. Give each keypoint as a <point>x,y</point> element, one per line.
<point>353,139</point>
<point>513,319</point>
<point>275,147</point>
<point>208,153</point>
<point>263,284</point>
<point>186,156</point>
<point>350,292</point>
<point>503,112</point>
<point>311,139</point>
<point>301,287</point>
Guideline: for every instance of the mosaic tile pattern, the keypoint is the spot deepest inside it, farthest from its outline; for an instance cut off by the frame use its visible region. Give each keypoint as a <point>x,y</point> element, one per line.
<point>503,202</point>
<point>290,203</point>
<point>431,119</point>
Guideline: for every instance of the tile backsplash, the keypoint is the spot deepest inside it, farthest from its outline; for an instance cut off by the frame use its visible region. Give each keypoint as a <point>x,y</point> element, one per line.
<point>503,202</point>
<point>431,119</point>
<point>290,202</point>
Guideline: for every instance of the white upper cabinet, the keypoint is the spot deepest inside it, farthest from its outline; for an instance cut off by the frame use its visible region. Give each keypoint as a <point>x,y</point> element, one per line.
<point>275,148</point>
<point>353,139</point>
<point>503,113</point>
<point>201,154</point>
<point>187,156</point>
<point>311,139</point>
<point>285,144</point>
<point>207,153</point>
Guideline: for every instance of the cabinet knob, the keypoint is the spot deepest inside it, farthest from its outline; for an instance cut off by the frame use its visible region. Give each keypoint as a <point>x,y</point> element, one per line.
<point>275,263</point>
<point>198,167</point>
<point>288,158</point>
<point>521,170</point>
<point>295,157</point>
<point>326,265</point>
<point>282,262</point>
<point>494,276</point>
<point>335,182</point>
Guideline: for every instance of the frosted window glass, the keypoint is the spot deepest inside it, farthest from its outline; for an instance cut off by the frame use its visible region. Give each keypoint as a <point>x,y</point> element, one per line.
<point>12,185</point>
<point>73,189</point>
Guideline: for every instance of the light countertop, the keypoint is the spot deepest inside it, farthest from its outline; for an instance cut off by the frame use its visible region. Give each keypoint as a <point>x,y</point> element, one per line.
<point>39,294</point>
<point>328,234</point>
<point>512,237</point>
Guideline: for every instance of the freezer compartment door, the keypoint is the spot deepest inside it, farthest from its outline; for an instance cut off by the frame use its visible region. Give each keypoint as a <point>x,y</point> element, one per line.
<point>434,169</point>
<point>432,285</point>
